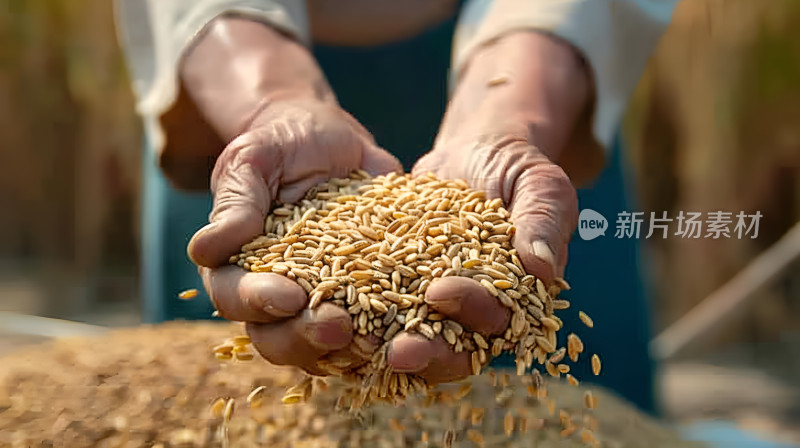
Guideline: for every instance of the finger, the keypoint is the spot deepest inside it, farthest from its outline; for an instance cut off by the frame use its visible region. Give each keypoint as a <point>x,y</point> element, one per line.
<point>431,359</point>
<point>377,161</point>
<point>423,165</point>
<point>467,302</point>
<point>374,160</point>
<point>244,296</point>
<point>544,209</point>
<point>302,340</point>
<point>241,201</point>
<point>313,157</point>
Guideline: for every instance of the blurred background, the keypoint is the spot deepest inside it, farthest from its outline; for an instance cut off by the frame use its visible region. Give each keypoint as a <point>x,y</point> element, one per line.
<point>713,125</point>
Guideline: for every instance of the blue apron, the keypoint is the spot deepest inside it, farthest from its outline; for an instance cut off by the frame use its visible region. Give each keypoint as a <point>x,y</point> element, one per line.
<point>399,92</point>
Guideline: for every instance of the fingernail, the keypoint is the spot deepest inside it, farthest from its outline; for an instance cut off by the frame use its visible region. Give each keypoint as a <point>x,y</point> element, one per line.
<point>210,227</point>
<point>445,305</point>
<point>281,308</point>
<point>197,235</point>
<point>542,250</point>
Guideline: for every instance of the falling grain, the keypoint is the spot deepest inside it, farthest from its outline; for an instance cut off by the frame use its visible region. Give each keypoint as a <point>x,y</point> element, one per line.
<point>596,366</point>
<point>586,319</point>
<point>508,424</point>
<point>227,413</point>
<point>374,246</point>
<point>572,380</point>
<point>218,407</point>
<point>188,294</point>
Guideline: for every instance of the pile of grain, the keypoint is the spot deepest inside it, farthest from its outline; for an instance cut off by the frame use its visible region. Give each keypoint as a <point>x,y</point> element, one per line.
<point>374,245</point>
<point>154,386</point>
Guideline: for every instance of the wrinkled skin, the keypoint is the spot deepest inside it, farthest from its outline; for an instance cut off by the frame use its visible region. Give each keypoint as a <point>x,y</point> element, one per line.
<point>262,164</point>
<point>543,208</point>
<point>293,144</point>
<point>290,147</point>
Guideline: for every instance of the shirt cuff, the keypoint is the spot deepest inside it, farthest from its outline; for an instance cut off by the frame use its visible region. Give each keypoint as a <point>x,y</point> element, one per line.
<point>156,33</point>
<point>616,37</point>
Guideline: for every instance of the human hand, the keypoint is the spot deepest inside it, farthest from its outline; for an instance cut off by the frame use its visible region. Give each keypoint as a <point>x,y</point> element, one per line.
<point>289,147</point>
<point>543,207</point>
<point>510,119</point>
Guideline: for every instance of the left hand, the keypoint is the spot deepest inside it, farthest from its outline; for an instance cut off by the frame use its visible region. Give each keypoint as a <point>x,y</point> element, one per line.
<point>504,138</point>
<point>543,206</point>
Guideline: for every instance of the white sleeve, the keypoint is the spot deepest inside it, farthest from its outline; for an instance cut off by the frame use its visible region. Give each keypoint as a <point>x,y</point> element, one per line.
<point>616,37</point>
<point>155,34</point>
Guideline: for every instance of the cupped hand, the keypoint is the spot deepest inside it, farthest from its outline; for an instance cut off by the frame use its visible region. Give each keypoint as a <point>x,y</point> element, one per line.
<point>543,206</point>
<point>289,147</point>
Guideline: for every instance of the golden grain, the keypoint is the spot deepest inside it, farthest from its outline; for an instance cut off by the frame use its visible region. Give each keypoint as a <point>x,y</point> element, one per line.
<point>589,400</point>
<point>224,356</point>
<point>552,370</point>
<point>476,364</point>
<point>586,319</point>
<point>255,397</point>
<point>227,413</point>
<point>574,346</point>
<point>188,294</point>
<point>374,245</point>
<point>596,365</point>
<point>545,344</point>
<point>489,287</point>
<point>218,407</point>
<point>224,349</point>
<point>476,416</point>
<point>550,323</point>
<point>480,341</point>
<point>558,356</point>
<point>244,356</point>
<point>396,425</point>
<point>572,380</point>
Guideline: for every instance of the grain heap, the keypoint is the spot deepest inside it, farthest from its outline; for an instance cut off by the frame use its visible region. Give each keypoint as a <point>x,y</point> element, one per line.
<point>153,386</point>
<point>373,246</point>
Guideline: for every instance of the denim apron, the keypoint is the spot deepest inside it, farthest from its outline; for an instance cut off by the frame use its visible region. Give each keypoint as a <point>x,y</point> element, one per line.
<point>399,92</point>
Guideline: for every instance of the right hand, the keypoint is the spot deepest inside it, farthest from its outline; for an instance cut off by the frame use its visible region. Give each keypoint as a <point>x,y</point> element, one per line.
<point>290,146</point>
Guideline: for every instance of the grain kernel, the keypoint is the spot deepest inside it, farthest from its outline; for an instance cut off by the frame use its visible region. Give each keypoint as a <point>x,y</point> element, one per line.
<point>218,407</point>
<point>586,319</point>
<point>188,294</point>
<point>572,380</point>
<point>596,366</point>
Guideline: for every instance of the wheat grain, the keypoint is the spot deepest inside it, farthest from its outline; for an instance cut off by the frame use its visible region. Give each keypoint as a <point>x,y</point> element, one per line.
<point>596,365</point>
<point>188,294</point>
<point>374,245</point>
<point>586,319</point>
<point>227,413</point>
<point>218,407</point>
<point>574,346</point>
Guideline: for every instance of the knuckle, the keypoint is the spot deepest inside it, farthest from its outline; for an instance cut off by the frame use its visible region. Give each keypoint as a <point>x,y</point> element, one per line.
<point>254,149</point>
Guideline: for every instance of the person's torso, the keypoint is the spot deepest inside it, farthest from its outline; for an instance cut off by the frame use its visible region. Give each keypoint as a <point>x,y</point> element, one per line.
<point>374,22</point>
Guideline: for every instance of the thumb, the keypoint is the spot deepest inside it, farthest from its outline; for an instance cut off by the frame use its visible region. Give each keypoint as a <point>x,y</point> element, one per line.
<point>241,201</point>
<point>544,209</point>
